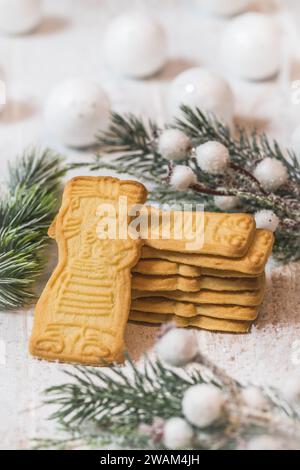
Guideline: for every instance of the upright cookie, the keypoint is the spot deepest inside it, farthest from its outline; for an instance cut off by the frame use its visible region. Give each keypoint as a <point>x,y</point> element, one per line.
<point>184,284</point>
<point>82,312</point>
<point>202,322</point>
<point>252,263</point>
<point>221,234</point>
<point>188,310</point>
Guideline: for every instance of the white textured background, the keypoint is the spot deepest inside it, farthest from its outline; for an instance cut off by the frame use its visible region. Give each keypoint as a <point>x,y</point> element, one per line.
<point>69,43</point>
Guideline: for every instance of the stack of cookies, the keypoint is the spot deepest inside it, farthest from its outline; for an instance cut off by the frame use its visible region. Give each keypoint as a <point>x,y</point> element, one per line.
<point>216,283</point>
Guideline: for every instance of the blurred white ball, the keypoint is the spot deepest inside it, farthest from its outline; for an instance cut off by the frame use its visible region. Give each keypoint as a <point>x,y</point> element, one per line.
<point>250,46</point>
<point>223,7</point>
<point>212,157</point>
<point>271,173</point>
<point>267,220</point>
<point>177,347</point>
<point>174,145</point>
<point>198,87</point>
<point>182,178</point>
<point>254,398</point>
<point>20,16</point>
<point>135,45</point>
<point>178,434</point>
<point>76,110</point>
<point>202,404</point>
<point>226,203</point>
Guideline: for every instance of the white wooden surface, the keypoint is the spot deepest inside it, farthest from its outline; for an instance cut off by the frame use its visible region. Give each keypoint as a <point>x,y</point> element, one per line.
<point>69,43</point>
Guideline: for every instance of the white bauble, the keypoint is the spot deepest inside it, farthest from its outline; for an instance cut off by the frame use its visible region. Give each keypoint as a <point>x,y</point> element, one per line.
<point>291,389</point>
<point>178,434</point>
<point>182,177</point>
<point>254,398</point>
<point>177,347</point>
<point>200,88</point>
<point>250,46</point>
<point>202,404</point>
<point>271,173</point>
<point>266,220</point>
<point>20,16</point>
<point>223,7</point>
<point>265,443</point>
<point>212,157</point>
<point>135,45</point>
<point>174,145</point>
<point>76,111</point>
<point>226,203</point>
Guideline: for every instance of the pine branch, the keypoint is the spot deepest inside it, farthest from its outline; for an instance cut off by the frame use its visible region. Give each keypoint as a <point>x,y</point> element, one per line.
<point>26,211</point>
<point>121,404</point>
<point>130,147</point>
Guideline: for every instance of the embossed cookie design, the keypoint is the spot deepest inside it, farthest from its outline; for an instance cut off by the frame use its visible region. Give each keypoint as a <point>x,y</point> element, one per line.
<point>82,312</point>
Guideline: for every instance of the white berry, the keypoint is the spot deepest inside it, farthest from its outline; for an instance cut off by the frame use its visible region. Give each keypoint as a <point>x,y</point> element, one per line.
<point>226,203</point>
<point>250,46</point>
<point>212,157</point>
<point>135,45</point>
<point>203,89</point>
<point>76,111</point>
<point>291,389</point>
<point>271,173</point>
<point>178,434</point>
<point>267,220</point>
<point>182,177</point>
<point>202,405</point>
<point>177,347</point>
<point>20,16</point>
<point>174,144</point>
<point>265,443</point>
<point>223,7</point>
<point>254,398</point>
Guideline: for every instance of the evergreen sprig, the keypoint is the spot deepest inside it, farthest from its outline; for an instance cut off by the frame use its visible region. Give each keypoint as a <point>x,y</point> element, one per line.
<point>96,407</point>
<point>130,146</point>
<point>28,204</point>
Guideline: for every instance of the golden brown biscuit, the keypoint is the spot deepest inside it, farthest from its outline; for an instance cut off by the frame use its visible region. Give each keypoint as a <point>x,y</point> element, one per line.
<point>158,267</point>
<point>245,298</point>
<point>83,310</point>
<point>221,234</point>
<point>202,322</point>
<point>252,263</point>
<point>187,310</point>
<point>184,284</point>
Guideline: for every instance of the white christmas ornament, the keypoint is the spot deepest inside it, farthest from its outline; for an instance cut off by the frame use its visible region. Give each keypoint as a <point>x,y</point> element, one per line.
<point>265,443</point>
<point>250,46</point>
<point>174,144</point>
<point>223,7</point>
<point>20,16</point>
<point>202,405</point>
<point>177,347</point>
<point>254,398</point>
<point>267,220</point>
<point>291,389</point>
<point>226,203</point>
<point>135,45</point>
<point>212,157</point>
<point>76,111</point>
<point>198,87</point>
<point>271,173</point>
<point>182,177</point>
<point>178,434</point>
